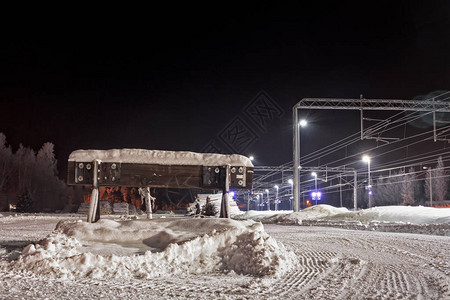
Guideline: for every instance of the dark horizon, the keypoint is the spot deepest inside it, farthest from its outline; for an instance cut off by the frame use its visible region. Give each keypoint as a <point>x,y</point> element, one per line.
<point>174,80</point>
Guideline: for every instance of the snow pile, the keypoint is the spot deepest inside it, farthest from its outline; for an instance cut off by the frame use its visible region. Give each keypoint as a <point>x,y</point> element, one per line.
<point>262,215</point>
<point>323,212</point>
<point>216,200</point>
<point>161,247</point>
<point>287,217</point>
<point>407,214</point>
<point>160,157</point>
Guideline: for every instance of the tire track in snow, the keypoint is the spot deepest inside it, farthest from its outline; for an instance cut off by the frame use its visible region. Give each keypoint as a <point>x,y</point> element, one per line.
<point>331,264</point>
<point>377,265</point>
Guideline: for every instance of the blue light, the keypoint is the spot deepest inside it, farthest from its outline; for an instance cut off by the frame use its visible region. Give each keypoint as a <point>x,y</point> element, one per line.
<point>316,195</point>
<point>232,194</point>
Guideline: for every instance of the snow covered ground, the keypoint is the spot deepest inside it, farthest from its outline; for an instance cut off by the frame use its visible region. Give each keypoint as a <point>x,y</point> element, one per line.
<point>410,219</point>
<point>178,257</point>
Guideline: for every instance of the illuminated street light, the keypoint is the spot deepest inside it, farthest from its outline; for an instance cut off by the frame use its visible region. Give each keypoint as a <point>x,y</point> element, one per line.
<point>291,182</point>
<point>251,157</point>
<point>366,159</point>
<point>296,145</point>
<point>316,193</point>
<point>316,196</point>
<point>431,184</point>
<point>268,200</point>
<point>276,196</point>
<point>315,179</point>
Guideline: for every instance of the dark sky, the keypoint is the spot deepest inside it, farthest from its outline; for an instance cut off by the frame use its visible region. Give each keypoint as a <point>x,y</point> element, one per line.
<point>177,77</point>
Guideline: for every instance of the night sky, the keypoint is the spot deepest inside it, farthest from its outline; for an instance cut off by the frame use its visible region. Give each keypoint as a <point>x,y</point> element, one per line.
<point>177,77</point>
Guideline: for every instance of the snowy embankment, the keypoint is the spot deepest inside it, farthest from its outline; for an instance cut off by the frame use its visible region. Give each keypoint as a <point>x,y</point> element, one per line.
<point>413,219</point>
<point>155,248</point>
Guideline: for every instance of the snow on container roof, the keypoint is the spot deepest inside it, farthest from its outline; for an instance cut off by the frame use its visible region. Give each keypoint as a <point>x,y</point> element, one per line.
<point>160,157</point>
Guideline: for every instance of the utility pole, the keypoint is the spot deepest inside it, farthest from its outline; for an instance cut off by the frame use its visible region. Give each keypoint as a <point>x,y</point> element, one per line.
<point>355,190</point>
<point>431,187</point>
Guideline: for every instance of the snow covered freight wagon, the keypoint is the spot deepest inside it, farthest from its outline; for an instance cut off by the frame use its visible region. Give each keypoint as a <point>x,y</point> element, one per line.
<point>155,168</point>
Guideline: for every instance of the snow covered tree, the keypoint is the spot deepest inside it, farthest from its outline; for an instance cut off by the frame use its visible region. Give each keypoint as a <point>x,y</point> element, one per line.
<point>31,176</point>
<point>441,181</point>
<point>24,169</point>
<point>6,162</point>
<point>25,202</point>
<point>36,175</point>
<point>46,159</point>
<point>381,193</point>
<point>209,209</point>
<point>388,190</point>
<point>408,187</point>
<point>51,193</point>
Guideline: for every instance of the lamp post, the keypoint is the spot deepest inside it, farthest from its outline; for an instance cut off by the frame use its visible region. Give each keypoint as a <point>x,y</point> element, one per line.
<point>431,185</point>
<point>366,159</point>
<point>314,174</point>
<point>276,196</point>
<point>296,156</point>
<point>315,182</point>
<point>268,200</point>
<point>291,182</point>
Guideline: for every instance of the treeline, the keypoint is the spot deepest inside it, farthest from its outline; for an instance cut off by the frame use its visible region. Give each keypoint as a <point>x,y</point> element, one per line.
<point>407,188</point>
<point>29,181</point>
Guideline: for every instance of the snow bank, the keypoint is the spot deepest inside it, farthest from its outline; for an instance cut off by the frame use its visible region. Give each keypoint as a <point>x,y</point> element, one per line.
<point>288,217</point>
<point>408,214</point>
<point>160,157</point>
<point>161,247</point>
<point>322,212</point>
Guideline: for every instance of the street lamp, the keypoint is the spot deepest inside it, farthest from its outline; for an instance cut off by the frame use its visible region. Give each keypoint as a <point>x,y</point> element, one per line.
<point>431,185</point>
<point>366,159</point>
<point>315,179</point>
<point>268,200</point>
<point>276,197</point>
<point>296,154</point>
<point>315,182</point>
<point>251,157</point>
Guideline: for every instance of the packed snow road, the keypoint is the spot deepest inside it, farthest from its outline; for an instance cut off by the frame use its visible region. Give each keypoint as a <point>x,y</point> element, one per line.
<point>330,263</point>
<point>348,264</point>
